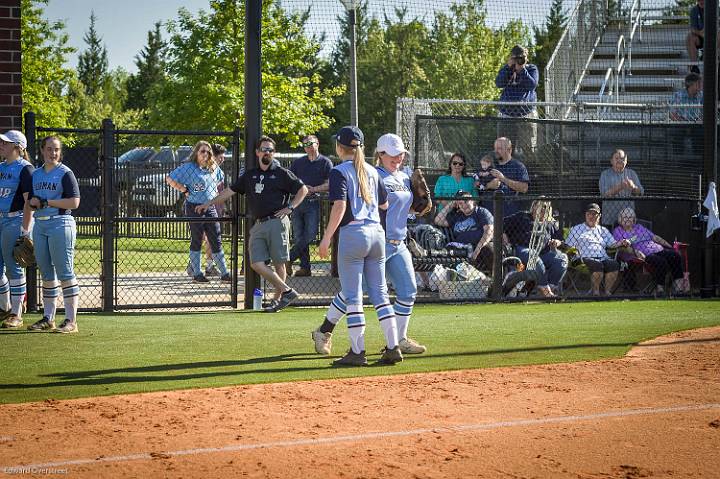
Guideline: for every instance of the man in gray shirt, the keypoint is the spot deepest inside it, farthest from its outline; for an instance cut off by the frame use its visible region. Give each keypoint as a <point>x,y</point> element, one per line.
<point>618,182</point>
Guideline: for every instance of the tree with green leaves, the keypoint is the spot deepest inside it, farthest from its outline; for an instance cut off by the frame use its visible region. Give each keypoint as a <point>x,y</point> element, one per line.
<point>680,8</point>
<point>44,52</point>
<point>150,63</point>
<point>204,87</point>
<point>93,62</point>
<point>547,38</point>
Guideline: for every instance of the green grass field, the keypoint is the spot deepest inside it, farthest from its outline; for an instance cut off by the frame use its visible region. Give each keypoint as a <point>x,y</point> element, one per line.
<point>129,353</point>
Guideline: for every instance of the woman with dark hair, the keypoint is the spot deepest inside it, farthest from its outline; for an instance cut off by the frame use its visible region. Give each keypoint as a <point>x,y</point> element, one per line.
<point>16,184</point>
<point>55,193</point>
<point>456,178</point>
<point>198,180</point>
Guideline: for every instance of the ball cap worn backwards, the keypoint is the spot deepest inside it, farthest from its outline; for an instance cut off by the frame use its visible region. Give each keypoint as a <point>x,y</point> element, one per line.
<point>347,134</point>
<point>391,144</point>
<point>15,137</point>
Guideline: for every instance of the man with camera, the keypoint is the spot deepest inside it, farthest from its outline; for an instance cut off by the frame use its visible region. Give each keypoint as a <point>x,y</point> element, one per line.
<point>519,80</point>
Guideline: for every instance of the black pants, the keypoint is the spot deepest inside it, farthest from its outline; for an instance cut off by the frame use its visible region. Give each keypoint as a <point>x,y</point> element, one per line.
<point>211,229</point>
<point>665,261</point>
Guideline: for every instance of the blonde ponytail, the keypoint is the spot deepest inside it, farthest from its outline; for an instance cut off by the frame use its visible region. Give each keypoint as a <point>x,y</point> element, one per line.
<point>359,164</point>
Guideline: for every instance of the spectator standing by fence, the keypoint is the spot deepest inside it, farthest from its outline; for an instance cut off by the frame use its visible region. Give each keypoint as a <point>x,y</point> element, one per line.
<point>218,153</point>
<point>267,188</point>
<point>55,193</point>
<point>16,185</point>
<point>198,181</point>
<point>510,175</point>
<point>518,80</point>
<point>313,169</point>
<point>618,181</point>
<point>456,178</point>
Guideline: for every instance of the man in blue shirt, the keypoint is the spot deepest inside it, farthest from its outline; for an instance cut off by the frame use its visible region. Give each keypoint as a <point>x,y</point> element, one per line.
<point>519,80</point>
<point>511,175</point>
<point>313,169</point>
<point>692,94</point>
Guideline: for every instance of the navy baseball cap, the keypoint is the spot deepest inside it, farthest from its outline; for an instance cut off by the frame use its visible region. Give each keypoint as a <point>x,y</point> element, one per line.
<point>347,134</point>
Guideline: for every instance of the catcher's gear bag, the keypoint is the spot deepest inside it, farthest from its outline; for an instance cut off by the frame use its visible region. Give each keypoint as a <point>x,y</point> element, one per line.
<point>24,251</point>
<point>422,203</point>
<point>516,274</point>
<point>429,237</point>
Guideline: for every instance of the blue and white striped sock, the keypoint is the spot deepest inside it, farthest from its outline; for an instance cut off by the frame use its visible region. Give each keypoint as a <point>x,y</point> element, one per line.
<point>51,293</point>
<point>4,293</point>
<point>18,288</point>
<point>71,296</point>
<point>386,316</point>
<point>356,327</point>
<point>402,316</point>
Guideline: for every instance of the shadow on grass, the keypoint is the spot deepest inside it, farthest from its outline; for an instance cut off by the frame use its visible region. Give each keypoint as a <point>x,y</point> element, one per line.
<point>105,376</point>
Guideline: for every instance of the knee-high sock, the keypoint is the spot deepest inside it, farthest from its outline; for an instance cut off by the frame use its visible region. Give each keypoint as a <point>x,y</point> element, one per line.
<point>18,288</point>
<point>71,294</point>
<point>356,327</point>
<point>402,316</point>
<point>386,316</point>
<point>4,293</point>
<point>51,293</point>
<point>336,311</point>
<point>219,259</point>
<point>195,262</point>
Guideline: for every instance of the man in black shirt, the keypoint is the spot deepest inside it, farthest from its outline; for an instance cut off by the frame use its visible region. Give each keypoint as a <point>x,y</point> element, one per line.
<point>268,188</point>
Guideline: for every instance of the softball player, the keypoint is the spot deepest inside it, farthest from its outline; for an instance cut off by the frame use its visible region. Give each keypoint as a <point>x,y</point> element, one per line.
<point>389,156</point>
<point>54,194</point>
<point>357,194</point>
<point>15,217</point>
<point>198,180</point>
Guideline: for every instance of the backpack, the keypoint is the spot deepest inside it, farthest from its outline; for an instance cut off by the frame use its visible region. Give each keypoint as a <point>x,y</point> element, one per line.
<point>429,237</point>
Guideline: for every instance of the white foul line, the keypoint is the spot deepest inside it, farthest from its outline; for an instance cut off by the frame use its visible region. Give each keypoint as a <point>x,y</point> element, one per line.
<point>369,435</point>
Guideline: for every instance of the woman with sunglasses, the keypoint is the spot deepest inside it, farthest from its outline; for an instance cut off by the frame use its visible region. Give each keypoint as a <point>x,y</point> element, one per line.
<point>15,217</point>
<point>55,193</point>
<point>357,193</point>
<point>455,179</point>
<point>198,181</point>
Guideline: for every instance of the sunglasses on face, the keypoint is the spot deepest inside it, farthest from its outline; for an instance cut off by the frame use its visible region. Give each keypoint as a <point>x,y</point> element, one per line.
<point>267,149</point>
<point>307,143</point>
<point>207,152</point>
<point>458,163</point>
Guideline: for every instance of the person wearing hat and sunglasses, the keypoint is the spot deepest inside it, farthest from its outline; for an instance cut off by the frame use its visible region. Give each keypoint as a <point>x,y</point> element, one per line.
<point>591,239</point>
<point>389,155</point>
<point>313,169</point>
<point>358,194</point>
<point>268,188</point>
<point>15,218</point>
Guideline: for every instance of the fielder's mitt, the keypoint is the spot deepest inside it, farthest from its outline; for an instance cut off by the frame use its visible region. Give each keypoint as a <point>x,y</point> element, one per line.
<point>24,251</point>
<point>422,203</point>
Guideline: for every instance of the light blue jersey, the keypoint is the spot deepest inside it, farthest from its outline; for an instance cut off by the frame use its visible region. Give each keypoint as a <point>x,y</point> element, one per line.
<point>15,179</point>
<point>202,184</point>
<point>399,203</point>
<point>345,186</point>
<point>55,184</point>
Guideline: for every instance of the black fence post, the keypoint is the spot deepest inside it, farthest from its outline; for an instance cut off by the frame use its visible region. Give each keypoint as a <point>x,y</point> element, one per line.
<point>107,159</point>
<point>31,272</point>
<point>498,214</point>
<point>235,225</point>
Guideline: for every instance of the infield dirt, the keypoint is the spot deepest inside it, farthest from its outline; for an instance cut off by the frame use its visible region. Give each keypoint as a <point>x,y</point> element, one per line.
<point>653,413</point>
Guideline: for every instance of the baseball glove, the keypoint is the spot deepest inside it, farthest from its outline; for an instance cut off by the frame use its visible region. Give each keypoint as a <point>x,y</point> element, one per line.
<point>24,251</point>
<point>422,203</point>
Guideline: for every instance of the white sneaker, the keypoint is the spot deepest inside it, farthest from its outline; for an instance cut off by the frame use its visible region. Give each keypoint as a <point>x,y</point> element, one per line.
<point>410,346</point>
<point>323,342</point>
<point>67,327</point>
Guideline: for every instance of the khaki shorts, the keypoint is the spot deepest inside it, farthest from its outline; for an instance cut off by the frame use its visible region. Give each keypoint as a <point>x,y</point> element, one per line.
<point>270,240</point>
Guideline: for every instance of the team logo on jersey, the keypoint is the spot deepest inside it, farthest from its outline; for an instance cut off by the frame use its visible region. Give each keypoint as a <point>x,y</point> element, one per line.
<point>259,187</point>
<point>45,185</point>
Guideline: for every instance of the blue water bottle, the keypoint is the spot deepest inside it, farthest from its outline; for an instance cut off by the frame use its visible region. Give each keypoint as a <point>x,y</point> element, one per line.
<point>257,299</point>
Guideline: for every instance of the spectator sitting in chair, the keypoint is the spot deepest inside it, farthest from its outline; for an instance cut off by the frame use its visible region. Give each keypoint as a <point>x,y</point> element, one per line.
<point>619,181</point>
<point>691,94</point>
<point>552,263</point>
<point>470,224</point>
<point>651,248</point>
<point>695,39</point>
<point>455,179</point>
<point>590,239</point>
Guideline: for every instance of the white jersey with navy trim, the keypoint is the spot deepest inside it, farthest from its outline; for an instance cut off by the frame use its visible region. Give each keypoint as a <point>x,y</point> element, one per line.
<point>399,202</point>
<point>55,184</point>
<point>15,179</point>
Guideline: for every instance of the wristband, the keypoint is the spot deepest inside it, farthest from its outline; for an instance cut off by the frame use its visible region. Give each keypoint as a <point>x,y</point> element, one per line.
<point>290,207</point>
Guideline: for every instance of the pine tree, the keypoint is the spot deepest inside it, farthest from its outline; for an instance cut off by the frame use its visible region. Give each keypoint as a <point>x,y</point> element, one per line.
<point>93,62</point>
<point>150,63</point>
<point>547,38</point>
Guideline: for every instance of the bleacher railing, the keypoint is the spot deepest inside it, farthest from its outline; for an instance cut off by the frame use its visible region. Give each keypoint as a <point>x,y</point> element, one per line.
<point>567,66</point>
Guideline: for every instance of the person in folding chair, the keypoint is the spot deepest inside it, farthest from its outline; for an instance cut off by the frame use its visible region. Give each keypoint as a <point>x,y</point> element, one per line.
<point>591,239</point>
<point>652,249</point>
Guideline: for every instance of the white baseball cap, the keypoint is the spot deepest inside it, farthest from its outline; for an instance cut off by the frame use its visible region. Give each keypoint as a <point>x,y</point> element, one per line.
<point>391,144</point>
<point>16,137</point>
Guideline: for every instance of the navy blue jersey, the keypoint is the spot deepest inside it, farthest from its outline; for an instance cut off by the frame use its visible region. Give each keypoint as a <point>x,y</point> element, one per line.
<point>345,186</point>
<point>469,229</point>
<point>55,184</point>
<point>15,179</point>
